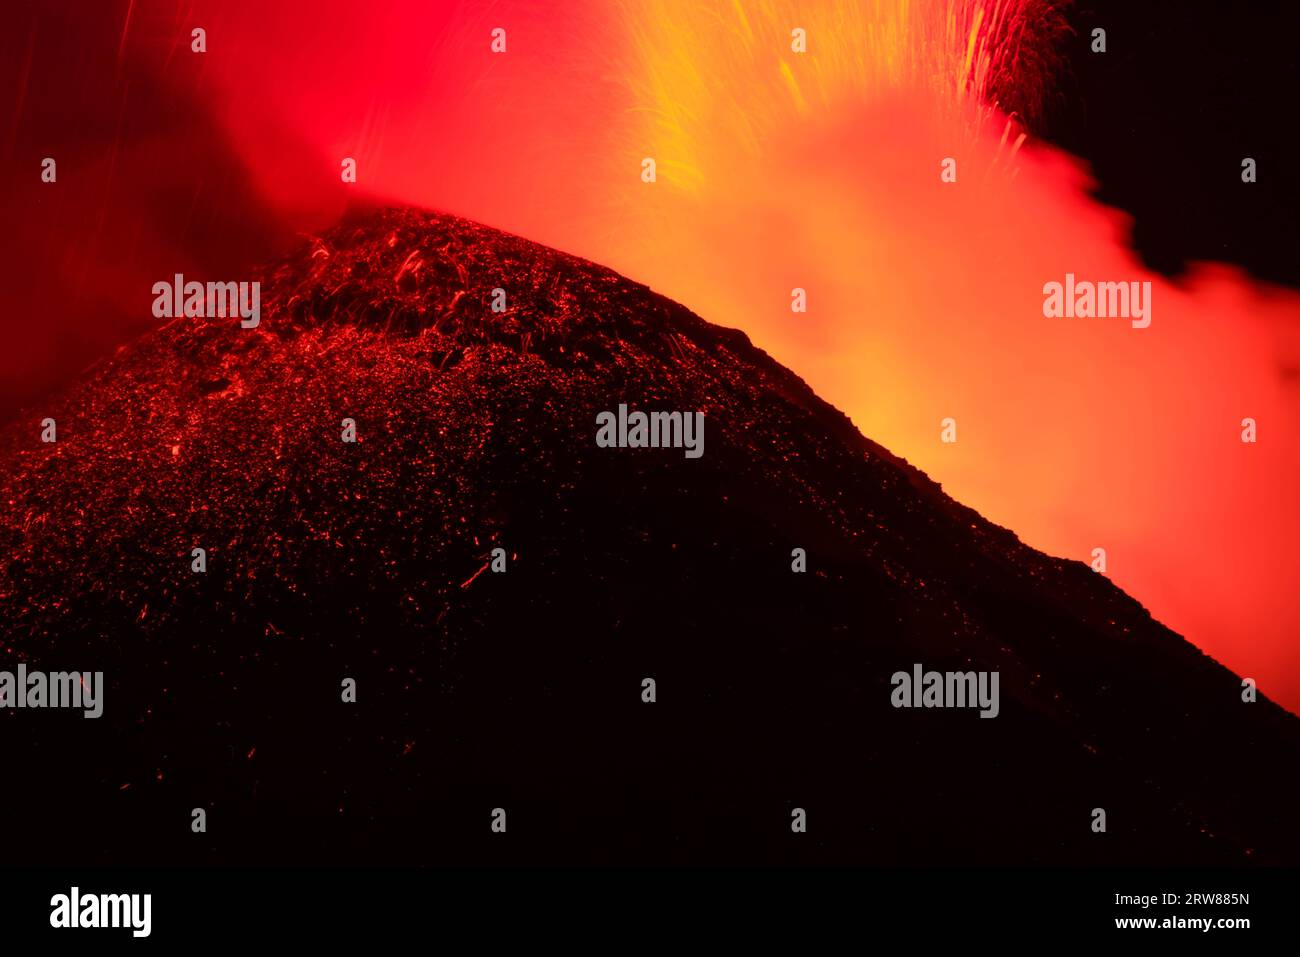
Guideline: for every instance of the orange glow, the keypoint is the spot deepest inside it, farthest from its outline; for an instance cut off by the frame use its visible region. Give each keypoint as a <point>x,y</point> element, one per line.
<point>821,170</point>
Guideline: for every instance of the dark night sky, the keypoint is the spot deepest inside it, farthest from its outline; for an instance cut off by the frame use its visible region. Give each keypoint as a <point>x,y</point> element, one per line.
<point>1183,93</point>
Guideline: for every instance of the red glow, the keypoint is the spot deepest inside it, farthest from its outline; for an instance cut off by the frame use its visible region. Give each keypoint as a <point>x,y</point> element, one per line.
<point>819,171</point>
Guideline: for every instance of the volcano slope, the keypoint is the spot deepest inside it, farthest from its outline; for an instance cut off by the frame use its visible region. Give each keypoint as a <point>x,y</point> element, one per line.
<point>522,690</point>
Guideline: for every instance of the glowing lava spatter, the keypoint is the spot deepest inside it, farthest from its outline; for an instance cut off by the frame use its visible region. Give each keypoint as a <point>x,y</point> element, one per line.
<point>820,170</point>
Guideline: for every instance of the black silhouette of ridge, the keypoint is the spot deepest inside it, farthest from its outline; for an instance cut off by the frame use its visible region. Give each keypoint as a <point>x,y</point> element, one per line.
<point>523,691</point>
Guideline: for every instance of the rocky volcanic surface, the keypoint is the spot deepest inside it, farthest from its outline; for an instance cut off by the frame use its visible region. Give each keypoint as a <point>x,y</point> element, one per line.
<point>475,690</point>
